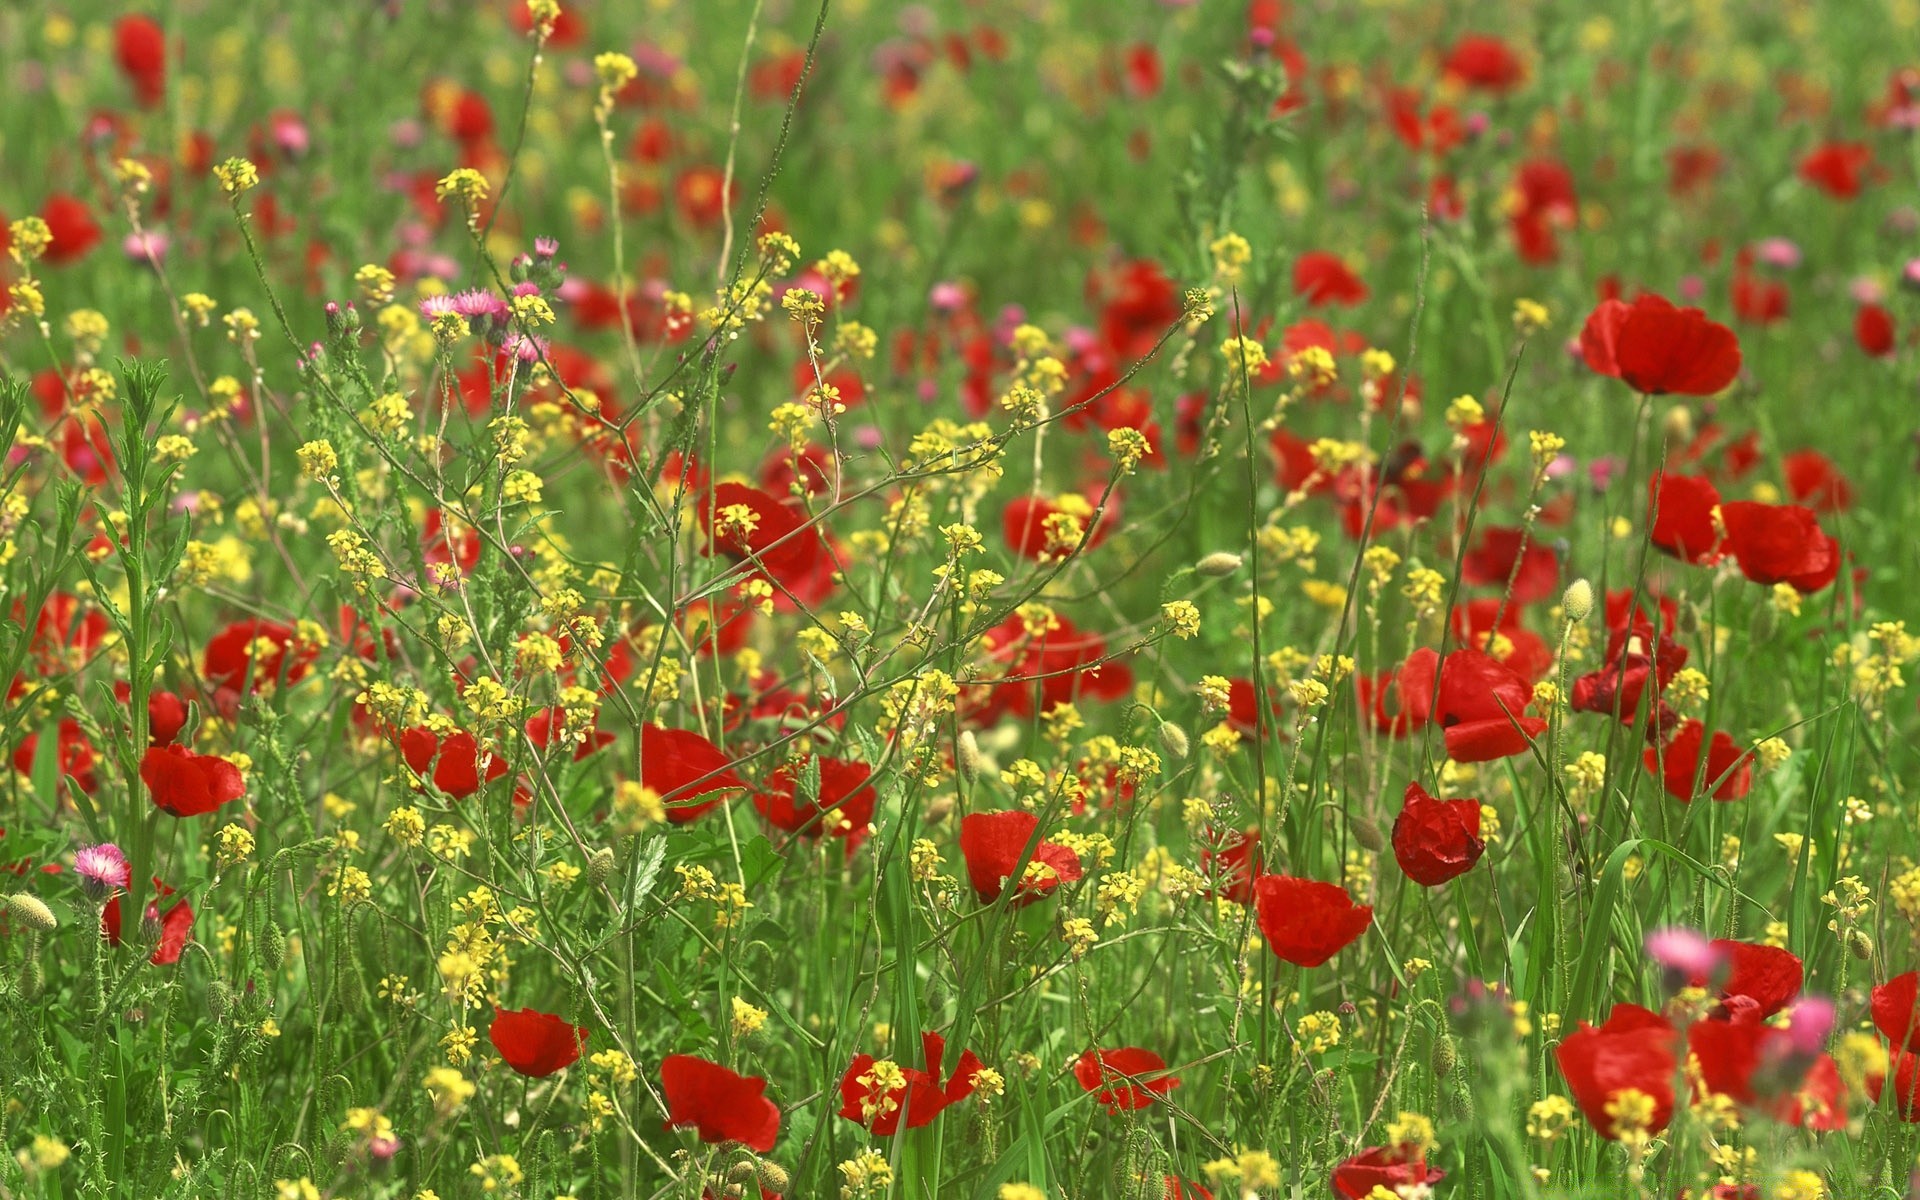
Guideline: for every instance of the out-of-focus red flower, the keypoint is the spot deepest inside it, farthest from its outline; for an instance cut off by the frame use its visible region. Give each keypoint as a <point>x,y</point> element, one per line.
<point>1320,277</point>
<point>1056,665</point>
<point>842,806</point>
<point>1635,1050</point>
<point>1873,330</point>
<point>688,771</point>
<point>1436,840</point>
<point>1656,348</point>
<point>454,760</point>
<point>1760,980</point>
<point>918,1101</point>
<point>1484,61</point>
<point>1837,168</point>
<point>1894,1015</point>
<point>140,48</point>
<point>1503,553</point>
<point>1547,204</point>
<point>186,784</point>
<point>1813,480</point>
<point>74,755</point>
<point>722,1106</point>
<point>1307,922</point>
<point>1388,1167</point>
<point>1758,1066</point>
<point>1039,526</point>
<point>702,195</point>
<point>255,653</point>
<point>1124,1079</point>
<point>1727,769</point>
<point>993,844</point>
<point>536,1044</point>
<point>74,230</point>
<point>1138,303</point>
<point>1235,866</point>
<point>176,923</point>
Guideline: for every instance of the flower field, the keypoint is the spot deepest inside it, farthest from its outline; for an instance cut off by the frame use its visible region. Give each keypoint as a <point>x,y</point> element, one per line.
<point>977,600</point>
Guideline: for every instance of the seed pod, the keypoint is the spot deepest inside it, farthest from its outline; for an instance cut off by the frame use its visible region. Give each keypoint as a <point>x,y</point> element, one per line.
<point>599,865</point>
<point>219,999</point>
<point>1218,565</point>
<point>273,945</point>
<point>968,755</point>
<point>1577,601</point>
<point>33,911</point>
<point>1860,943</point>
<point>774,1177</point>
<point>1174,739</point>
<point>1367,834</point>
<point>741,1172</point>
<point>1445,1055</point>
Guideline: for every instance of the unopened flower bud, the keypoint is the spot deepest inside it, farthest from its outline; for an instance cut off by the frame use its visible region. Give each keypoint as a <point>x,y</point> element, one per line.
<point>1367,834</point>
<point>1860,944</point>
<point>219,999</point>
<point>774,1177</point>
<point>1218,565</point>
<point>1174,739</point>
<point>273,945</point>
<point>32,911</point>
<point>1577,601</point>
<point>599,865</point>
<point>937,809</point>
<point>968,754</point>
<point>1445,1055</point>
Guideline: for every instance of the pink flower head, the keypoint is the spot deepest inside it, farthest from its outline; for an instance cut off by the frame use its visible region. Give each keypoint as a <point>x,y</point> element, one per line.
<point>101,869</point>
<point>526,349</point>
<point>144,249</point>
<point>478,302</point>
<point>1778,252</point>
<point>1809,1024</point>
<point>1684,951</point>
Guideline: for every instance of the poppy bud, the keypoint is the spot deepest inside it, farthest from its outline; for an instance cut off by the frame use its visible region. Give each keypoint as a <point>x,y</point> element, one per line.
<point>599,866</point>
<point>969,755</point>
<point>741,1172</point>
<point>1765,621</point>
<point>774,1177</point>
<point>1367,834</point>
<point>1218,565</point>
<point>33,977</point>
<point>1445,1055</point>
<point>273,945</point>
<point>1174,739</point>
<point>33,912</point>
<point>1577,601</point>
<point>937,810</point>
<point>219,999</point>
<point>1860,943</point>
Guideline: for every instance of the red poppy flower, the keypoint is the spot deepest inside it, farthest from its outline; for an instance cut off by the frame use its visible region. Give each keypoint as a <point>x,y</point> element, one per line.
<point>684,767</point>
<point>1906,1084</point>
<point>1547,204</point>
<point>756,526</point>
<point>255,653</point>
<point>1836,168</point>
<point>1682,513</point>
<point>1728,770</point>
<point>1124,1079</point>
<point>1504,553</point>
<point>1657,348</point>
<point>1235,866</point>
<point>722,1106</point>
<point>1038,527</point>
<point>1633,1051</point>
<point>1178,1189</point>
<point>1484,61</point>
<point>140,47</point>
<point>1320,277</point>
<point>842,804</point>
<point>1893,1004</point>
<point>1056,665</point>
<point>186,784</point>
<point>1481,708</point>
<point>166,716</point>
<point>1138,303</point>
<point>549,725</point>
<point>1780,543</point>
<point>1813,480</point>
<point>1519,647</point>
<point>74,230</point>
<point>536,1044</point>
<point>1757,1066</point>
<point>1760,980</point>
<point>1392,1168</point>
<point>1873,330</point>
<point>1436,840</point>
<point>1409,688</point>
<point>176,924</point>
<point>922,1098</point>
<point>454,759</point>
<point>74,755</point>
<point>1307,922</point>
<point>993,844</point>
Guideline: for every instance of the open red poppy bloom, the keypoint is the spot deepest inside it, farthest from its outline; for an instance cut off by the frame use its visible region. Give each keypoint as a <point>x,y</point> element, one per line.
<point>1727,769</point>
<point>1059,664</point>
<point>1757,1066</point>
<point>1320,277</point>
<point>1656,348</point>
<point>1837,168</point>
<point>1873,330</point>
<point>1505,553</point>
<point>1484,61</point>
<point>993,844</point>
<point>1813,480</point>
<point>689,772</point>
<point>1307,922</point>
<point>1634,1051</point>
<point>1436,840</point>
<point>1780,543</point>
<point>1041,527</point>
<point>186,784</point>
<point>747,523</point>
<point>1234,866</point>
<point>536,1044</point>
<point>1125,1078</point>
<point>140,49</point>
<point>254,653</point>
<point>722,1106</point>
<point>1481,708</point>
<point>1760,980</point>
<point>1388,1167</point>
<point>1681,509</point>
<point>176,923</point>
<point>1905,1066</point>
<point>450,762</point>
<point>918,1101</point>
<point>1894,1015</point>
<point>74,230</point>
<point>74,755</point>
<point>842,806</point>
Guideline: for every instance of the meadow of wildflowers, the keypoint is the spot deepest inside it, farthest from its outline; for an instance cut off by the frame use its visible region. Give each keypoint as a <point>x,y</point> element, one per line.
<point>977,600</point>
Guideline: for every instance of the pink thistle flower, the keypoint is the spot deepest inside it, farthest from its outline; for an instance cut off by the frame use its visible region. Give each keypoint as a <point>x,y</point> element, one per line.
<point>1684,951</point>
<point>102,869</point>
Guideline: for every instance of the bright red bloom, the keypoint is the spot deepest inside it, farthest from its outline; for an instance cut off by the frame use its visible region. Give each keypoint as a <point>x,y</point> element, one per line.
<point>1481,706</point>
<point>1657,348</point>
<point>1138,303</point>
<point>687,771</point>
<point>1760,980</point>
<point>1548,204</point>
<point>1389,1167</point>
<point>1635,1050</point>
<point>1727,769</point>
<point>186,784</point>
<point>1894,1015</point>
<point>1757,1066</point>
<point>1235,866</point>
<point>773,536</point>
<point>454,759</point>
<point>536,1044</point>
<point>723,1106</point>
<point>1506,552</point>
<point>140,47</point>
<point>1813,480</point>
<point>1873,330</point>
<point>842,805</point>
<point>1026,524</point>
<point>74,755</point>
<point>1682,513</point>
<point>254,653</point>
<point>1906,1084</point>
<point>993,844</point>
<point>166,716</point>
<point>1320,277</point>
<point>922,1098</point>
<point>1436,840</point>
<point>1836,168</point>
<point>1780,543</point>
<point>74,230</point>
<point>1486,62</point>
<point>1057,665</point>
<point>1307,922</point>
<point>176,923</point>
<point>1125,1079</point>
<point>1177,1190</point>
